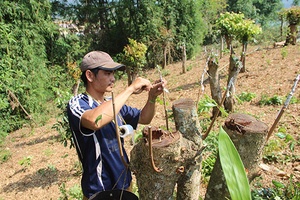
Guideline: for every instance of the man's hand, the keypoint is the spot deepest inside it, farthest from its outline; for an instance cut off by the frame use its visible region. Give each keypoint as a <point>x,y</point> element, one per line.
<point>140,84</point>
<point>157,88</point>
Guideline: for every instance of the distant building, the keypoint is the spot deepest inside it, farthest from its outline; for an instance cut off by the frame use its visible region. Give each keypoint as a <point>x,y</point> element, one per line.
<point>68,27</point>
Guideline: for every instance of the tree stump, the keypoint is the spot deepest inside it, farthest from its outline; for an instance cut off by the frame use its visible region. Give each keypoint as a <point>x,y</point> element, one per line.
<point>166,153</point>
<point>234,69</point>
<point>292,36</point>
<point>214,82</point>
<point>176,157</point>
<point>249,137</point>
<point>186,121</point>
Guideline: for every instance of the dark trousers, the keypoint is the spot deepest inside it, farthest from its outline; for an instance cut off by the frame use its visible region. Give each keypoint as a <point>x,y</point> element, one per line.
<point>129,189</point>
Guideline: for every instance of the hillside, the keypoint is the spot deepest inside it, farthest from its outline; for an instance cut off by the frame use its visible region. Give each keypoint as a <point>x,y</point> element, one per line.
<point>39,164</point>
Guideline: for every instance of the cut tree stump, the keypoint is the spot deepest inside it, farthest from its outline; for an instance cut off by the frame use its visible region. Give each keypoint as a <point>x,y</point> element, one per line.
<point>177,155</point>
<point>249,137</point>
<point>214,82</point>
<point>186,121</point>
<point>234,69</point>
<point>166,154</point>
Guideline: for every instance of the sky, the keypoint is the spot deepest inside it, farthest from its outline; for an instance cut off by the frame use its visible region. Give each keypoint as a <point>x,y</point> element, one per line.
<point>287,3</point>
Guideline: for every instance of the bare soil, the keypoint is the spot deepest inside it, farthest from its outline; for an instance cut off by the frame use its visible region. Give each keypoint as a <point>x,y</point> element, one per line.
<point>40,164</point>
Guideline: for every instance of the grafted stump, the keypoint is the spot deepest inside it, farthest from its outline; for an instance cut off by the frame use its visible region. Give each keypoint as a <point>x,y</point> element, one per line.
<point>234,69</point>
<point>186,121</point>
<point>249,137</point>
<point>214,82</point>
<point>166,154</point>
<point>177,157</point>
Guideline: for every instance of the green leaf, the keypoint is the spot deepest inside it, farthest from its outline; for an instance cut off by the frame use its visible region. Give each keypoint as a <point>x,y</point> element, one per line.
<point>209,104</point>
<point>281,135</point>
<point>233,168</point>
<point>278,184</point>
<point>98,119</point>
<point>289,138</point>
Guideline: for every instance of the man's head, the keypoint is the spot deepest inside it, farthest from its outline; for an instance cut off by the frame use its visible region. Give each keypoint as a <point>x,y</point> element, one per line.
<point>101,60</point>
<point>98,60</point>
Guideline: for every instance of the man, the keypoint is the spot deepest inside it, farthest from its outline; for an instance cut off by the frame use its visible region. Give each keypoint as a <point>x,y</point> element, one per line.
<point>91,119</point>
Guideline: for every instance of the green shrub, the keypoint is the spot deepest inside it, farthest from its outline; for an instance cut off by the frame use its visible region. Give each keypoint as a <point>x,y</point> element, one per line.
<point>284,52</point>
<point>275,100</point>
<point>73,193</point>
<point>279,191</point>
<point>4,155</point>
<point>210,153</point>
<point>25,162</point>
<point>246,96</point>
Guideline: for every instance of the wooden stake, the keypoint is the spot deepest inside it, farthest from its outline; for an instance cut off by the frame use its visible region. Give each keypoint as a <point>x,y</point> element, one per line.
<point>164,99</point>
<point>117,132</point>
<point>286,103</point>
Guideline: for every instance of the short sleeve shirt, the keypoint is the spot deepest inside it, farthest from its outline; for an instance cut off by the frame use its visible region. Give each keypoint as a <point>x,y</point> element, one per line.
<point>98,151</point>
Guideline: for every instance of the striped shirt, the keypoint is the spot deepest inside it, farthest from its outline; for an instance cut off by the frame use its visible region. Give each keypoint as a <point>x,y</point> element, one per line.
<point>98,150</point>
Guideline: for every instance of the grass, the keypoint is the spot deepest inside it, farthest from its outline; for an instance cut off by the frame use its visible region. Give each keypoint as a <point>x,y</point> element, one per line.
<point>73,193</point>
<point>245,97</point>
<point>275,100</point>
<point>278,191</point>
<point>5,155</point>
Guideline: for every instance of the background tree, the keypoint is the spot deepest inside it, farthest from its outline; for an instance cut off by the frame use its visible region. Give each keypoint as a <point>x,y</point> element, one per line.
<point>246,31</point>
<point>141,21</point>
<point>162,26</point>
<point>63,10</point>
<point>228,23</point>
<point>292,15</point>
<point>190,26</point>
<point>296,3</point>
<point>24,28</point>
<point>99,19</point>
<point>259,10</point>
<point>266,13</point>
<point>110,23</point>
<point>235,26</point>
<point>134,57</point>
<point>210,13</point>
<point>242,6</point>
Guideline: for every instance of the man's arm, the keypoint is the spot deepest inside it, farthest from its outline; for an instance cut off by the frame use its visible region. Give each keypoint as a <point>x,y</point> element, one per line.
<point>98,117</point>
<point>148,110</point>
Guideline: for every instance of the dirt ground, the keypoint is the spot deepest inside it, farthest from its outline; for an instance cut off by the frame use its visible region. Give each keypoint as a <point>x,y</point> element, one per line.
<point>39,164</point>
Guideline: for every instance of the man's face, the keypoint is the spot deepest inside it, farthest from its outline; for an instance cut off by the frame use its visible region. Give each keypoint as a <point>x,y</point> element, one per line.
<point>104,81</point>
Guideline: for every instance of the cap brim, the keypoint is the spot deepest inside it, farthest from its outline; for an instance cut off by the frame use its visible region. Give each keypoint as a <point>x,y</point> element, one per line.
<point>115,67</point>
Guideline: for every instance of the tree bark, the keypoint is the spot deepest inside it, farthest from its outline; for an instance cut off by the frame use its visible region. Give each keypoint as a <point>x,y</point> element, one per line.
<point>165,56</point>
<point>249,137</point>
<point>228,40</point>
<point>243,57</point>
<point>221,46</point>
<point>131,75</point>
<point>166,153</point>
<point>76,87</point>
<point>292,36</point>
<point>281,27</point>
<point>234,69</point>
<point>183,59</point>
<point>186,121</point>
<point>214,82</point>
